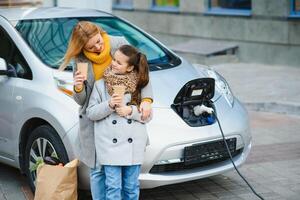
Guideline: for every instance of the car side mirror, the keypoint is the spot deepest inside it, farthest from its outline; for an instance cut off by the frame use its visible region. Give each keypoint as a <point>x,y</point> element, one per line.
<point>3,67</point>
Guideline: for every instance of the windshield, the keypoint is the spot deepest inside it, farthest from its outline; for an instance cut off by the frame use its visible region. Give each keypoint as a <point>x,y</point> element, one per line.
<point>49,38</point>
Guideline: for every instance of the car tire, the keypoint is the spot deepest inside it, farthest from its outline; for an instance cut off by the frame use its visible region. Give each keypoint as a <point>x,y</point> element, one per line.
<point>43,141</point>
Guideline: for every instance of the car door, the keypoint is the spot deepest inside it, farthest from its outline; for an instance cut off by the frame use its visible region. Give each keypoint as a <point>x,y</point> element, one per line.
<point>6,103</point>
<point>10,105</point>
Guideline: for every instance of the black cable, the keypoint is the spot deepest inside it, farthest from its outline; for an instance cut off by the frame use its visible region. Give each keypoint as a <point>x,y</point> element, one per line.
<point>230,156</point>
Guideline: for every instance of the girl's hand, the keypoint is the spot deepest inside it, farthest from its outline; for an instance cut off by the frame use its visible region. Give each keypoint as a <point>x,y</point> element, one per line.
<point>124,111</point>
<point>78,80</point>
<point>115,101</point>
<point>145,109</point>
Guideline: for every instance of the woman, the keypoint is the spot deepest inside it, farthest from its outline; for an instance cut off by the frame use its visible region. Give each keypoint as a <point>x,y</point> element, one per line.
<point>90,44</point>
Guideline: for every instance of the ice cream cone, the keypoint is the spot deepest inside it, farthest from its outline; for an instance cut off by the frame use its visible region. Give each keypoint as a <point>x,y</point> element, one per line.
<point>119,89</point>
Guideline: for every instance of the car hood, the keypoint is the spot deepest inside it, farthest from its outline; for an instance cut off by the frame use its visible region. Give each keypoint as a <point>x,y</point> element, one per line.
<point>167,83</point>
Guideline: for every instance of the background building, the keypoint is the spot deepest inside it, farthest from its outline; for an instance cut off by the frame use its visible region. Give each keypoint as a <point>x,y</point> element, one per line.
<point>265,31</point>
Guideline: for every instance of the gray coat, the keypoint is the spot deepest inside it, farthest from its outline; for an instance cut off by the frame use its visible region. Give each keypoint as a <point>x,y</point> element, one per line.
<point>119,140</point>
<point>85,141</point>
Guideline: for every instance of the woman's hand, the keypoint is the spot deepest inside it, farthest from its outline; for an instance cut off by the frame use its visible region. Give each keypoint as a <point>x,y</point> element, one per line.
<point>78,80</point>
<point>124,111</point>
<point>116,100</point>
<point>145,109</point>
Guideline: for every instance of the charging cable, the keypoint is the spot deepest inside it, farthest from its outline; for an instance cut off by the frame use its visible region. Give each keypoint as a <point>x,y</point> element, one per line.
<point>213,113</point>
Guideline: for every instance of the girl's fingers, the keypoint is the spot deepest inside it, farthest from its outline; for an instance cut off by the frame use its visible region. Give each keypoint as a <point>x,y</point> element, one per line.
<point>145,109</point>
<point>116,103</point>
<point>116,96</point>
<point>119,112</point>
<point>140,109</point>
<point>117,100</point>
<point>145,114</point>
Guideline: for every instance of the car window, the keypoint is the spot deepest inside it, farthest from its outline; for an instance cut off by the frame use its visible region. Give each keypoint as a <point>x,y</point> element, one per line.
<point>154,53</point>
<point>6,46</point>
<point>13,57</point>
<point>49,39</point>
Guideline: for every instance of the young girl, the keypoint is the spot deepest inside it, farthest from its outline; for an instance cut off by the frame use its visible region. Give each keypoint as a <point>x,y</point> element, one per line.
<point>120,133</point>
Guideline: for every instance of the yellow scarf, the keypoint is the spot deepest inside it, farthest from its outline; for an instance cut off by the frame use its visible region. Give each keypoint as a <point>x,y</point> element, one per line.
<point>100,60</point>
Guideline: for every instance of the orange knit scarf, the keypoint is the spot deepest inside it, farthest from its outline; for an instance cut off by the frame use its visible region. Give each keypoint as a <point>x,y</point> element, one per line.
<point>100,60</point>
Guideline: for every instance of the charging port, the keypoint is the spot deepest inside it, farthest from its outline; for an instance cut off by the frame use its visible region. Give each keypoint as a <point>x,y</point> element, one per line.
<point>193,102</point>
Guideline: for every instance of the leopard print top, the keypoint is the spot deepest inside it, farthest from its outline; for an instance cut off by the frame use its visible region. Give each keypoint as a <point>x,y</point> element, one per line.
<point>130,80</point>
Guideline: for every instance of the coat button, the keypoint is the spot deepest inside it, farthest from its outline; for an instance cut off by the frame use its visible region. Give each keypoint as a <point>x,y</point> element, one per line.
<point>129,121</point>
<point>80,116</point>
<point>114,121</point>
<point>128,104</point>
<point>115,140</point>
<point>130,140</point>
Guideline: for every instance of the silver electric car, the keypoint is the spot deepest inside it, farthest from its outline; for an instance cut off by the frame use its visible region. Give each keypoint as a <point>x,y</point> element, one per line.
<point>39,118</point>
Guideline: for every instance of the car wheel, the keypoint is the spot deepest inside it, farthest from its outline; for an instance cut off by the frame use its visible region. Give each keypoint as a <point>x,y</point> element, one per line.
<point>43,141</point>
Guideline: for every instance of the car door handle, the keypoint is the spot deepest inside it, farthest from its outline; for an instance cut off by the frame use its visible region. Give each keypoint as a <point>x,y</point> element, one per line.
<point>19,98</point>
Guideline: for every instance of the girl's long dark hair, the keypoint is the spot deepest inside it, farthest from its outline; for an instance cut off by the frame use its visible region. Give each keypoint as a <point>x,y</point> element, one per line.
<point>139,61</point>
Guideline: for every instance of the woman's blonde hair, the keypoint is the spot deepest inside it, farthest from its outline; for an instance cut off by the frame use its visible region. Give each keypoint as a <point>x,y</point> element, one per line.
<point>82,32</point>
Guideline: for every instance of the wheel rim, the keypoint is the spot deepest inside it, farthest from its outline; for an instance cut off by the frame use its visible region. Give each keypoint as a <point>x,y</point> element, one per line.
<point>39,149</point>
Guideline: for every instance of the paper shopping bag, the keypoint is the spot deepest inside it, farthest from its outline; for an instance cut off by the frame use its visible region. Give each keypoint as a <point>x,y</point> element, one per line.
<point>57,182</point>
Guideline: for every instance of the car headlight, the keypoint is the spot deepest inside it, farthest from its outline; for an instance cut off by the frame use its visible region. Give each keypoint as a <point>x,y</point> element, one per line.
<point>221,85</point>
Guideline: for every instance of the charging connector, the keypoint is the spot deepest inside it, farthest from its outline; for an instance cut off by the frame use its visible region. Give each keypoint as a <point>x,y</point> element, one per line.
<point>198,110</point>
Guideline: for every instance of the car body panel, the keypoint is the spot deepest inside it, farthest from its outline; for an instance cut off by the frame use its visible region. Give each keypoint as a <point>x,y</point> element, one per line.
<point>168,133</point>
<point>6,116</point>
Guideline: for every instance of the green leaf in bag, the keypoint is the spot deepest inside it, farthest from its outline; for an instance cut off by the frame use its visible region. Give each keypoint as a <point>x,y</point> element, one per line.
<point>34,167</point>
